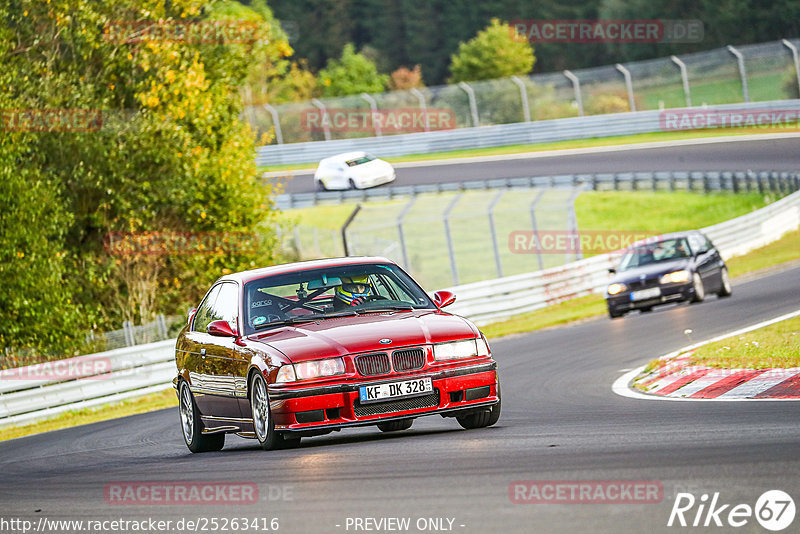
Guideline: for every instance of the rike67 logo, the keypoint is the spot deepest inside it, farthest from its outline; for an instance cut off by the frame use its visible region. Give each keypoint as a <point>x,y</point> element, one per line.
<point>774,510</point>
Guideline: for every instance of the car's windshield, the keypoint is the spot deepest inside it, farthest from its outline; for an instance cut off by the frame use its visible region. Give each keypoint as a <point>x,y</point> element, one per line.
<point>669,249</point>
<point>329,292</point>
<point>366,158</point>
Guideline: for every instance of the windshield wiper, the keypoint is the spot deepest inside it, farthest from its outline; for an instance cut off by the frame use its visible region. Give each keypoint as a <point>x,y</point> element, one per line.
<point>388,307</point>
<point>291,321</point>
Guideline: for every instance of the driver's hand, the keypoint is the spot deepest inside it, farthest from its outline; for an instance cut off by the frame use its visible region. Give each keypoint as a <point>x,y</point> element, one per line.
<point>358,301</point>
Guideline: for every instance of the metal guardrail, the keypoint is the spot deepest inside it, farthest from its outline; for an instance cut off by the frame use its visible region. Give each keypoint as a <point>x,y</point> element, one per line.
<point>656,181</point>
<point>521,133</point>
<point>494,300</point>
<point>142,369</point>
<point>46,389</point>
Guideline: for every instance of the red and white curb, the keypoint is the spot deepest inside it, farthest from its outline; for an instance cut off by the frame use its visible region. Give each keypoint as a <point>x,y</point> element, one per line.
<point>679,381</point>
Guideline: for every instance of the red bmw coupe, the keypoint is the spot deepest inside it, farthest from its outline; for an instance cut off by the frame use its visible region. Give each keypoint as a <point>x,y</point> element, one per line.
<point>308,348</point>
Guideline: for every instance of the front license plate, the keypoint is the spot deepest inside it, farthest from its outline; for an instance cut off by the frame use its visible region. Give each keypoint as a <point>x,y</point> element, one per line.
<point>394,390</point>
<point>645,294</point>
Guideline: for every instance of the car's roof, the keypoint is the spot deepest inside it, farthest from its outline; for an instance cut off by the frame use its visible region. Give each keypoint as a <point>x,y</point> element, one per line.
<point>665,237</point>
<point>253,274</point>
<point>346,156</point>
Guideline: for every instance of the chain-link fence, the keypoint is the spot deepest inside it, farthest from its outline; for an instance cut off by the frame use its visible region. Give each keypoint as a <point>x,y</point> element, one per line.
<point>760,72</point>
<point>453,238</point>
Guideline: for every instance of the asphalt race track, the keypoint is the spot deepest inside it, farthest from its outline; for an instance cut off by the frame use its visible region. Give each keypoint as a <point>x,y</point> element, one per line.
<point>773,154</point>
<point>560,421</point>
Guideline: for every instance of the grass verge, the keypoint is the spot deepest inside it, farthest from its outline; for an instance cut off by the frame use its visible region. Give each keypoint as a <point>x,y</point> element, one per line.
<point>557,145</point>
<point>147,403</point>
<point>774,346</point>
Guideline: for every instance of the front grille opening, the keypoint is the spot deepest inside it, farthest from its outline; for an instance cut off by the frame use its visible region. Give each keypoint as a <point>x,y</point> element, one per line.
<point>373,364</point>
<point>476,393</point>
<point>457,396</point>
<point>332,413</point>
<point>408,359</point>
<point>424,401</point>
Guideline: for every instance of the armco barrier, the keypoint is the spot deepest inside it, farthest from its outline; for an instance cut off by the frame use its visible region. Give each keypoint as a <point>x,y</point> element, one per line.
<point>520,133</point>
<point>493,300</point>
<point>66,385</point>
<point>148,368</point>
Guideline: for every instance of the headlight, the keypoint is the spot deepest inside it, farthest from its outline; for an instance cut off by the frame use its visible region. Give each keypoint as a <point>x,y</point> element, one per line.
<point>614,289</point>
<point>456,350</point>
<point>676,277</point>
<point>310,369</point>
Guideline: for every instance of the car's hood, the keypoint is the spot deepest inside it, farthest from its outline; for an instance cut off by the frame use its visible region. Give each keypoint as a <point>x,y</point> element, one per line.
<point>348,335</point>
<point>652,270</point>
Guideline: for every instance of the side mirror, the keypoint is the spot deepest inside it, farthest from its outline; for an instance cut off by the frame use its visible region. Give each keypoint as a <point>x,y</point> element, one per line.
<point>191,316</point>
<point>612,270</point>
<point>221,328</point>
<point>443,298</point>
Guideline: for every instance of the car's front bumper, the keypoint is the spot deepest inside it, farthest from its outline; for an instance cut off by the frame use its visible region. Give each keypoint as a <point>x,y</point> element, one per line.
<point>669,293</point>
<point>325,408</point>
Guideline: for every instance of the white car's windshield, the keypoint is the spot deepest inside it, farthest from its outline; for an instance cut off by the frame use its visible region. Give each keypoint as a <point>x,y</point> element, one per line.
<point>366,158</point>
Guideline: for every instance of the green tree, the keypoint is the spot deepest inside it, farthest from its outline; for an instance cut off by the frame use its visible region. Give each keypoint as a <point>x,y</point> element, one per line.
<point>170,155</point>
<point>494,53</point>
<point>351,74</point>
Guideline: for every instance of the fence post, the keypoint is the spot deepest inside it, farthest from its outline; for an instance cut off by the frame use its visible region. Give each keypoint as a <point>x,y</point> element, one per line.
<point>449,237</point>
<point>685,78</point>
<point>576,87</point>
<point>423,106</point>
<point>493,232</point>
<point>127,332</point>
<point>400,218</point>
<point>572,223</point>
<point>740,59</point>
<point>629,84</point>
<point>535,227</point>
<point>473,106</point>
<point>326,120</point>
<point>344,228</point>
<point>162,325</point>
<point>373,107</point>
<point>793,49</point>
<point>276,122</point>
<point>523,95</point>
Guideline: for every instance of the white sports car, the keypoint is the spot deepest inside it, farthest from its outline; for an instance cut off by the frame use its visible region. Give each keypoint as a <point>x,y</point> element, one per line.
<point>352,170</point>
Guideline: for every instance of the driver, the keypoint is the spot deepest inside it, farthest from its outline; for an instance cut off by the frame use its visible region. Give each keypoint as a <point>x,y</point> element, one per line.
<point>353,292</point>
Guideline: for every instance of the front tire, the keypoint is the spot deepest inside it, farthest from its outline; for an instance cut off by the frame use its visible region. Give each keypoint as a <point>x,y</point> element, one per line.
<point>193,427</point>
<point>699,289</point>
<point>351,184</point>
<point>615,314</point>
<point>726,290</point>
<point>263,424</point>
<point>395,426</point>
<point>484,418</point>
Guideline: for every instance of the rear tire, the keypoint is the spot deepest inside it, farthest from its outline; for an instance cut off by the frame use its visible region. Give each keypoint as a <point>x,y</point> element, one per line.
<point>263,424</point>
<point>321,186</point>
<point>699,289</point>
<point>395,426</point>
<point>192,426</point>
<point>726,290</point>
<point>484,418</point>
